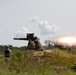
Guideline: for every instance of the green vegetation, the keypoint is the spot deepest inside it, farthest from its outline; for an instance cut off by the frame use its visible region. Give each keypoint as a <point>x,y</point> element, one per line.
<point>22,62</point>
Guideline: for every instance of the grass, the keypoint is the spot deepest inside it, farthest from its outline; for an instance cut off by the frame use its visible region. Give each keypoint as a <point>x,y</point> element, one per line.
<point>22,63</point>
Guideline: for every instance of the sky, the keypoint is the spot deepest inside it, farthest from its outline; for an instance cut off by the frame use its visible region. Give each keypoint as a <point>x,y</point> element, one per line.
<point>46,18</point>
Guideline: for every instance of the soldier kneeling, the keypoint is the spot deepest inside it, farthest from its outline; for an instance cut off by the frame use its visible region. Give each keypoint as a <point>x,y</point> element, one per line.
<point>31,45</point>
<point>38,45</point>
<point>7,53</point>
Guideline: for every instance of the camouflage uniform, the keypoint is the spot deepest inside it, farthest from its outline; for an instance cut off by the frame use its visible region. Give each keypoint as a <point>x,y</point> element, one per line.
<point>69,50</point>
<point>31,44</point>
<point>74,67</point>
<point>7,52</point>
<point>37,43</point>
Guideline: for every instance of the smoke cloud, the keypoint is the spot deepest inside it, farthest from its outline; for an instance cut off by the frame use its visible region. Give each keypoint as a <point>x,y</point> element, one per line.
<point>44,27</point>
<point>21,33</point>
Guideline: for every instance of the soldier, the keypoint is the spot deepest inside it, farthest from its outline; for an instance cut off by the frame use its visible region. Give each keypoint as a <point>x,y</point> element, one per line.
<point>74,67</point>
<point>37,44</point>
<point>69,50</point>
<point>31,44</point>
<point>7,53</point>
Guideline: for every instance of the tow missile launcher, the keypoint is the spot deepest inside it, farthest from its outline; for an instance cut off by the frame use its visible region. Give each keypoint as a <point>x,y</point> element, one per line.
<point>28,36</point>
<point>33,42</point>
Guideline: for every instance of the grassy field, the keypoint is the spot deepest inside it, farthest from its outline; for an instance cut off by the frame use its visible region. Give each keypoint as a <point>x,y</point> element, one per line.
<point>23,62</point>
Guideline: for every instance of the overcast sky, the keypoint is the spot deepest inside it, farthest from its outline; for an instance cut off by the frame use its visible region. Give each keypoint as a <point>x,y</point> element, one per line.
<point>46,18</point>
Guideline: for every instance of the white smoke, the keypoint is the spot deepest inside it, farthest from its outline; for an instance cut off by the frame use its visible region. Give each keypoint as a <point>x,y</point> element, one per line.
<point>21,33</point>
<point>44,27</point>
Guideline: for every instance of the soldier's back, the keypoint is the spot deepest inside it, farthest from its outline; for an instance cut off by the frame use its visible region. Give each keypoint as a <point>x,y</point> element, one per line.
<point>7,52</point>
<point>31,44</point>
<point>37,44</point>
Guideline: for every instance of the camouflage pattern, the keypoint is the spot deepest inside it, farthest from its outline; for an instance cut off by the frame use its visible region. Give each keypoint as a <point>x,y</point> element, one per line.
<point>37,43</point>
<point>70,50</point>
<point>31,44</point>
<point>7,52</point>
<point>74,67</point>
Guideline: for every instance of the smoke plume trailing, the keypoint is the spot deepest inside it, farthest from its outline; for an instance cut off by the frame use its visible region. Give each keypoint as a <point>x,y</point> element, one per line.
<point>44,27</point>
<point>21,33</point>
